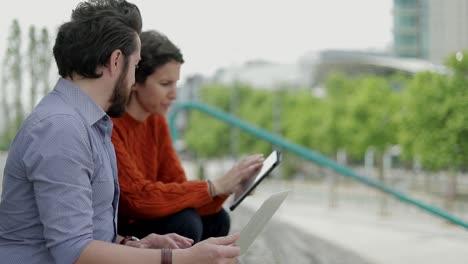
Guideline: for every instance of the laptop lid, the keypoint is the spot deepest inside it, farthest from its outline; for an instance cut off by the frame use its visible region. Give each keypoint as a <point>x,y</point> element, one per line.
<point>258,221</point>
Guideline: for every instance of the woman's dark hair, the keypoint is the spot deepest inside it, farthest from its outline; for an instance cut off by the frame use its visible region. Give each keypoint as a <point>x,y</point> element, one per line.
<point>96,29</point>
<point>156,50</point>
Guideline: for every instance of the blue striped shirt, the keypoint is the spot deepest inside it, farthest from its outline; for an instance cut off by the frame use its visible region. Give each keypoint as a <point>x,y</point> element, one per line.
<point>60,188</point>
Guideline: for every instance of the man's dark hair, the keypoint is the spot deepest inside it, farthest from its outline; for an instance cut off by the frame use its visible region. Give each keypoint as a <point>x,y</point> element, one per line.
<point>156,50</point>
<point>96,29</point>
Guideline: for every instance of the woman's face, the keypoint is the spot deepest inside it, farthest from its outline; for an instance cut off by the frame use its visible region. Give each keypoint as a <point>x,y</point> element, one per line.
<point>160,89</point>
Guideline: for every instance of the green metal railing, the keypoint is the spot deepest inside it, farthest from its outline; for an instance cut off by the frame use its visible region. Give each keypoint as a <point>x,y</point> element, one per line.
<point>306,154</point>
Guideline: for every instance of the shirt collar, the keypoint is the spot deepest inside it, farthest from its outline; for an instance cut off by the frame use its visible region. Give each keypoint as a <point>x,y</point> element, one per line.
<point>86,106</point>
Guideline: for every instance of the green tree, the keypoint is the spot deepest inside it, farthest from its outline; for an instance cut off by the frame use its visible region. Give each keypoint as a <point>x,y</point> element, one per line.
<point>5,95</point>
<point>37,68</point>
<point>44,60</point>
<point>435,121</point>
<point>303,120</point>
<point>206,136</point>
<point>39,63</point>
<point>339,89</point>
<point>256,108</point>
<point>427,112</point>
<point>33,65</point>
<point>17,74</point>
<point>211,138</point>
<point>12,82</point>
<point>372,117</point>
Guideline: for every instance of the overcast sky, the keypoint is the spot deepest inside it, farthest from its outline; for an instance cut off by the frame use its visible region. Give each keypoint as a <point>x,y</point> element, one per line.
<point>216,33</point>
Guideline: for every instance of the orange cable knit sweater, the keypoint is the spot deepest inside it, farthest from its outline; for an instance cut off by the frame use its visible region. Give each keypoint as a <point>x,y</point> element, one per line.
<point>152,181</point>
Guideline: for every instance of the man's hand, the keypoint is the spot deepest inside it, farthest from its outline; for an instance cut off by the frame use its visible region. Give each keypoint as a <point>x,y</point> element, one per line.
<point>215,250</point>
<point>173,241</point>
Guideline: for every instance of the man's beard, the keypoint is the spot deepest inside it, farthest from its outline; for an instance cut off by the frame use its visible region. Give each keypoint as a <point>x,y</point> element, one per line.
<point>120,96</point>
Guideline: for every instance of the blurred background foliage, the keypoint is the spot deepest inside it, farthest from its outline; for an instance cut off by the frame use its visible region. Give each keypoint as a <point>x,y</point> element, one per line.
<point>24,75</point>
<point>426,114</point>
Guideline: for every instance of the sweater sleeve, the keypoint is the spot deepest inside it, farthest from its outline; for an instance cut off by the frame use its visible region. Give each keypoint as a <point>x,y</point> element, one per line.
<point>144,198</point>
<point>212,207</point>
<point>170,168</point>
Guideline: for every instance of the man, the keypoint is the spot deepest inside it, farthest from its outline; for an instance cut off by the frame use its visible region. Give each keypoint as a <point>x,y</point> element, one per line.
<point>60,189</point>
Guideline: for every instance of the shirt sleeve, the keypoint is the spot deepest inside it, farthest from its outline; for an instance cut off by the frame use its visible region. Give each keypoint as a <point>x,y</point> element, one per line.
<point>59,163</point>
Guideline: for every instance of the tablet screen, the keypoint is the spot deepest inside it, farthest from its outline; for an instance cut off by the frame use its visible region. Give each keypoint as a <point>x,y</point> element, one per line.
<point>268,165</point>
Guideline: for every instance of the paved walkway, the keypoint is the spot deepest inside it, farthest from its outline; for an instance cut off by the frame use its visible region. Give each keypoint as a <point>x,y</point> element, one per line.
<point>320,232</point>
<point>281,242</point>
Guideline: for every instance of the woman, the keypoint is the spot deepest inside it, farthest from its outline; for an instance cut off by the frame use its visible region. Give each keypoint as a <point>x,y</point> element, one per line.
<point>155,194</point>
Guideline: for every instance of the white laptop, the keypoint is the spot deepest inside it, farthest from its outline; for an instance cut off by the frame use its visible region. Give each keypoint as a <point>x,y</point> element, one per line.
<point>258,221</point>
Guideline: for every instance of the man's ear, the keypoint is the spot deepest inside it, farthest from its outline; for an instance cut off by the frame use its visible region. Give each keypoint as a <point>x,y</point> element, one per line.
<point>115,62</point>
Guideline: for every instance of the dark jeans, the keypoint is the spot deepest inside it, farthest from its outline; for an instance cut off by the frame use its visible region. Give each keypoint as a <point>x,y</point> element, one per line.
<point>186,223</point>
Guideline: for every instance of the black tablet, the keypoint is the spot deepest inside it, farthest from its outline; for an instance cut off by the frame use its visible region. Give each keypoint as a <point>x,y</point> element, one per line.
<point>268,165</point>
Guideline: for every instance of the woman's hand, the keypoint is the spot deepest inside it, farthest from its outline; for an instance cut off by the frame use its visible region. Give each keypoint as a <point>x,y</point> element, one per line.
<point>242,170</point>
<point>173,241</point>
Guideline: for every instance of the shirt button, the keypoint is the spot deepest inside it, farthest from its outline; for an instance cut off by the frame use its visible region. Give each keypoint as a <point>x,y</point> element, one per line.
<point>106,118</point>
